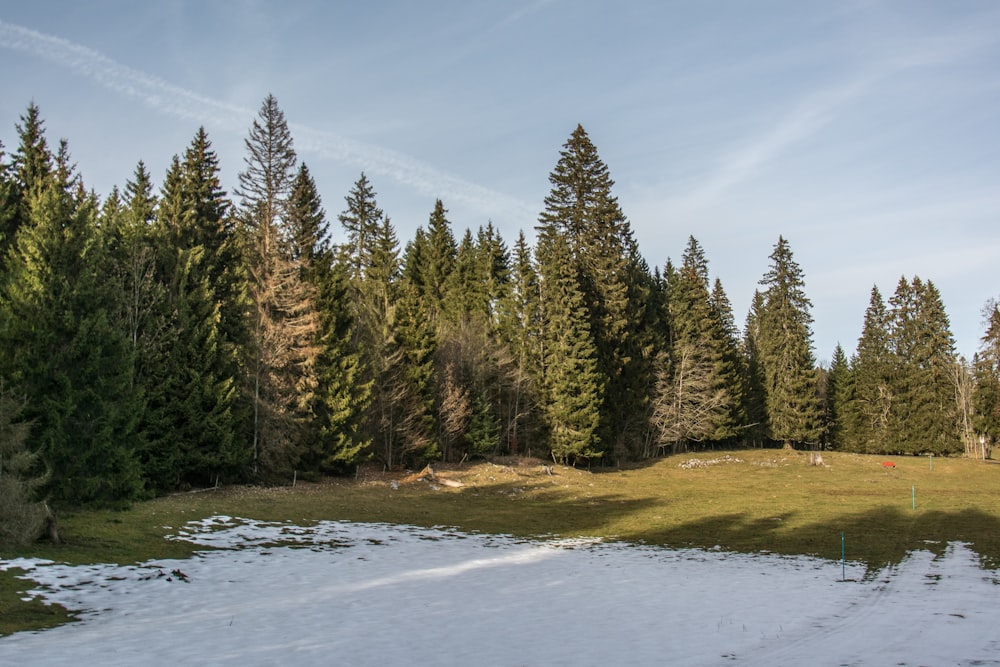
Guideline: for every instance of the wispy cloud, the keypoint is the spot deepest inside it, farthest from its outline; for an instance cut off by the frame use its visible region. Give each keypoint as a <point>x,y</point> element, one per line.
<point>166,98</point>
<point>807,118</point>
<point>526,11</point>
<point>151,91</point>
<point>819,108</point>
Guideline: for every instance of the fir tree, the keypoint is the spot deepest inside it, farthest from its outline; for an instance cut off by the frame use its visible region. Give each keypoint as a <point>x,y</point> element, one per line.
<point>838,396</point>
<point>923,416</point>
<point>62,348</point>
<point>698,390</point>
<point>375,338</point>
<point>437,260</point>
<point>284,320</point>
<point>411,378</point>
<point>866,418</point>
<point>342,393</point>
<point>32,166</point>
<point>986,396</point>
<point>493,265</point>
<point>519,330</point>
<point>361,220</point>
<point>754,381</point>
<point>785,346</point>
<point>573,386</point>
<point>195,418</point>
<point>611,280</point>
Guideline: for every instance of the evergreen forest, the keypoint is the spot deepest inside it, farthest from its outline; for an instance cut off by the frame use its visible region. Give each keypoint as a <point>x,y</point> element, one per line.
<point>169,335</point>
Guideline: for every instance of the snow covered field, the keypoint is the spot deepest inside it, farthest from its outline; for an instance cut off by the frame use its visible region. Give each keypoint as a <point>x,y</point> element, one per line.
<point>364,594</point>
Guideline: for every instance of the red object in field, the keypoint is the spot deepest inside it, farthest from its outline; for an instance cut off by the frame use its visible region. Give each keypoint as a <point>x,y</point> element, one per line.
<point>888,464</point>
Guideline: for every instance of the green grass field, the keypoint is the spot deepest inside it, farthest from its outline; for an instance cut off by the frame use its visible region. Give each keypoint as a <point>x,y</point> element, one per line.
<point>747,501</point>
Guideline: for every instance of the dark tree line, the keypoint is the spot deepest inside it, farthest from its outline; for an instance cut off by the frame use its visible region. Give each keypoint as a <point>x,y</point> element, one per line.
<point>173,337</point>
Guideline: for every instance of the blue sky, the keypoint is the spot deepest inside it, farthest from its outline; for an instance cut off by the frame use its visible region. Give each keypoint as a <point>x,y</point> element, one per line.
<point>867,133</point>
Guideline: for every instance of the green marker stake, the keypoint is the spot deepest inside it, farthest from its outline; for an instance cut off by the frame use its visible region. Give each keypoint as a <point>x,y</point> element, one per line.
<point>913,492</point>
<point>843,559</point>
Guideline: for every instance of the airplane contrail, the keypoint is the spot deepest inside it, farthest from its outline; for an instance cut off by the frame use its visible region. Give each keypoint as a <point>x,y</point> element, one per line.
<point>164,97</point>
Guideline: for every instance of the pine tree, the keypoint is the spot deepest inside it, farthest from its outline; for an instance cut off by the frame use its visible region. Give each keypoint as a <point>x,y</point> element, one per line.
<point>839,390</point>
<point>493,261</point>
<point>465,289</point>
<point>731,367</point>
<point>520,331</point>
<point>284,319</point>
<point>698,392</point>
<point>62,348</point>
<point>361,222</point>
<point>410,378</point>
<point>923,416</point>
<point>612,280</point>
<point>785,346</point>
<point>437,260</point>
<point>754,381</point>
<point>573,386</point>
<point>986,396</point>
<point>374,336</point>
<point>342,394</point>
<point>32,167</point>
<point>195,428</point>
<point>867,416</point>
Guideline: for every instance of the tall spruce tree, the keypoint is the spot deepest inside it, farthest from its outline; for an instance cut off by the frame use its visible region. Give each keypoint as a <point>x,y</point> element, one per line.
<point>785,347</point>
<point>923,416</point>
<point>61,346</point>
<point>519,330</point>
<point>866,418</point>
<point>410,379</point>
<point>32,166</point>
<point>838,396</point>
<point>333,431</point>
<point>573,386</point>
<point>754,382</point>
<point>436,260</point>
<point>698,397</point>
<point>609,271</point>
<point>986,396</point>
<point>283,321</point>
<point>702,349</point>
<point>361,220</point>
<point>196,431</point>
<point>372,257</point>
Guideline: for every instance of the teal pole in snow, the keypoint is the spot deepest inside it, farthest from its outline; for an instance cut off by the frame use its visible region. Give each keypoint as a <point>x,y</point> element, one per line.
<point>843,560</point>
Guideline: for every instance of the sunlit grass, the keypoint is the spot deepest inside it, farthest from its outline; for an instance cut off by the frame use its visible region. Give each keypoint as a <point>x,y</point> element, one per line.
<point>748,501</point>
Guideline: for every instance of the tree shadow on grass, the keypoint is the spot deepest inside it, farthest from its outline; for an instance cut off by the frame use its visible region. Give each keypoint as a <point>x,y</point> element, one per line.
<point>526,510</point>
<point>878,537</point>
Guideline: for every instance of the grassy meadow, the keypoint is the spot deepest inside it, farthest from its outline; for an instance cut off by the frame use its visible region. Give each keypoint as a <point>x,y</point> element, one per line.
<point>747,501</point>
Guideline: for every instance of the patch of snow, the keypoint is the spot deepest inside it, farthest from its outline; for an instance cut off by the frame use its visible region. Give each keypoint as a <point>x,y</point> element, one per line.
<point>347,593</point>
